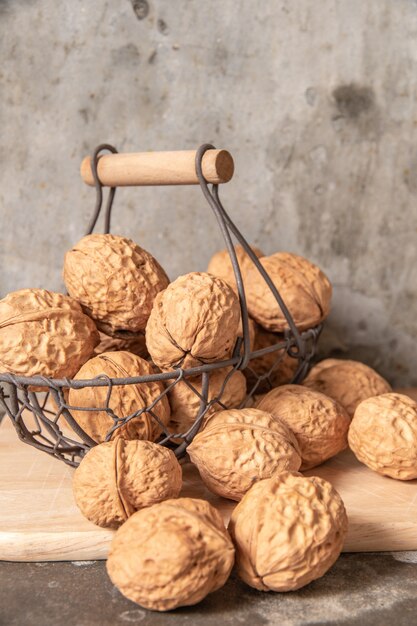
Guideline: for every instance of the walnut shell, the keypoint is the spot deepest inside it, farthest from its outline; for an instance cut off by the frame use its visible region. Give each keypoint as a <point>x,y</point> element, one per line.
<point>348,382</point>
<point>118,477</point>
<point>236,448</point>
<point>220,264</point>
<point>319,423</point>
<point>171,554</point>
<point>287,530</point>
<point>305,289</point>
<point>125,341</point>
<point>383,435</point>
<point>124,400</point>
<point>115,280</point>
<point>44,334</point>
<point>185,403</point>
<point>194,321</point>
<point>281,366</point>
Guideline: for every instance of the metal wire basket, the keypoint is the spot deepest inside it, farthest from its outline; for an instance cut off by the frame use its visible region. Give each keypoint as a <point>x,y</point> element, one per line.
<point>44,419</point>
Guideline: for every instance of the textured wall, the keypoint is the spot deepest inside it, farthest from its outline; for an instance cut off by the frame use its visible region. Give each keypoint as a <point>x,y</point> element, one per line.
<point>316,100</point>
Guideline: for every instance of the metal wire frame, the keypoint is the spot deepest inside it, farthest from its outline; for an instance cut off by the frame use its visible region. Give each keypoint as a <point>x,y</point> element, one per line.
<point>45,420</point>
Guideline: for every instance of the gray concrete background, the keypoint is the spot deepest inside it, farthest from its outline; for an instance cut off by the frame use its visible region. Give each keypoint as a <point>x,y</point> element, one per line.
<point>316,101</point>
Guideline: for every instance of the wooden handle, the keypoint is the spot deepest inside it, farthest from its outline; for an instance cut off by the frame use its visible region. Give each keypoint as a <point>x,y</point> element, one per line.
<point>159,168</point>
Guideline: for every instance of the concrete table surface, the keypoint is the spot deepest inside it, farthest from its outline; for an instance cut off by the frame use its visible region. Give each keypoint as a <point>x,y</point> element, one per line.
<point>363,589</point>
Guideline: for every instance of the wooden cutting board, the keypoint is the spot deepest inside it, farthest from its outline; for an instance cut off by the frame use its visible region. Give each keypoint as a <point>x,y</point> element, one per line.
<point>40,521</point>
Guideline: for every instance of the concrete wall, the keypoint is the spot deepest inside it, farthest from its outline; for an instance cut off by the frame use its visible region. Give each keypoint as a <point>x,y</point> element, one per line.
<point>316,101</point>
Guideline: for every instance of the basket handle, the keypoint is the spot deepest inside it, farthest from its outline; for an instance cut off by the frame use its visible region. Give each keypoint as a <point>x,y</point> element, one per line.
<point>158,168</point>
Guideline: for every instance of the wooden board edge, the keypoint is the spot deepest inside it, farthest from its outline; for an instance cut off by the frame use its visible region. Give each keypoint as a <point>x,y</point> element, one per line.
<point>94,545</point>
<point>49,546</point>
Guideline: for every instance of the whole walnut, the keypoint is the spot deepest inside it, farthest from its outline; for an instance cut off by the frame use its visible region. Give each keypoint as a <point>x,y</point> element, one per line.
<point>271,369</point>
<point>194,321</point>
<point>348,382</point>
<point>237,448</point>
<point>287,530</point>
<point>123,341</point>
<point>305,289</point>
<point>115,281</point>
<point>319,423</point>
<point>124,400</point>
<point>118,477</point>
<point>171,554</point>
<point>383,435</point>
<point>220,264</point>
<point>228,386</point>
<point>44,334</point>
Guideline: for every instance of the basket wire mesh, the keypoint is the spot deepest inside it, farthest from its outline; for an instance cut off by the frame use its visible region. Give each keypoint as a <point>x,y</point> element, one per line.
<point>38,406</point>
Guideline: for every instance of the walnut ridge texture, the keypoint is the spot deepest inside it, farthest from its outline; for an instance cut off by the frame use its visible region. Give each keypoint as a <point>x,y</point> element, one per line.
<point>238,447</point>
<point>220,264</point>
<point>348,382</point>
<point>287,530</point>
<point>115,281</point>
<point>171,554</point>
<point>383,435</point>
<point>117,478</point>
<point>44,334</point>
<point>305,289</point>
<point>319,423</point>
<point>194,321</point>
<point>124,400</point>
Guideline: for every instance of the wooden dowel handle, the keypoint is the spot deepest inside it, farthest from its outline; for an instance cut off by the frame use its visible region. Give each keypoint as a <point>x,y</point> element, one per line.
<point>158,168</point>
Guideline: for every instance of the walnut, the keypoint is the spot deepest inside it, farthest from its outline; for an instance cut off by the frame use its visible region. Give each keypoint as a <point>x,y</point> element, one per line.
<point>228,386</point>
<point>125,341</point>
<point>124,400</point>
<point>279,363</point>
<point>115,281</point>
<point>171,554</point>
<point>194,321</point>
<point>383,435</point>
<point>220,264</point>
<point>252,332</point>
<point>236,448</point>
<point>44,334</point>
<point>305,289</point>
<point>287,530</point>
<point>319,423</point>
<point>348,382</point>
<point>118,477</point>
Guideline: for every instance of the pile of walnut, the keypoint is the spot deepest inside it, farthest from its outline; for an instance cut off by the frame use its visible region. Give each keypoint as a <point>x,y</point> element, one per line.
<point>124,318</point>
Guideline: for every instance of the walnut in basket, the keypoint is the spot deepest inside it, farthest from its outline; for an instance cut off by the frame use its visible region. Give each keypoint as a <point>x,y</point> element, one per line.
<point>305,289</point>
<point>194,321</point>
<point>288,531</point>
<point>171,554</point>
<point>348,382</point>
<point>185,402</point>
<point>238,447</point>
<point>124,400</point>
<point>125,341</point>
<point>44,334</point>
<point>383,435</point>
<point>119,477</point>
<point>319,423</point>
<point>220,264</point>
<point>278,366</point>
<point>115,281</point>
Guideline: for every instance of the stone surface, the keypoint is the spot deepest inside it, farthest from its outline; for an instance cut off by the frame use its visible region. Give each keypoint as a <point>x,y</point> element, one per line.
<point>316,101</point>
<point>360,590</point>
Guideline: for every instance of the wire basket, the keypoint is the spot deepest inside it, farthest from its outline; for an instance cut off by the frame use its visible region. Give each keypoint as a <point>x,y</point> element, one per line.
<point>38,406</point>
